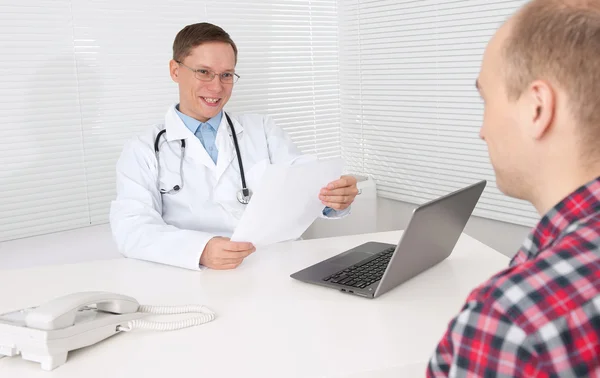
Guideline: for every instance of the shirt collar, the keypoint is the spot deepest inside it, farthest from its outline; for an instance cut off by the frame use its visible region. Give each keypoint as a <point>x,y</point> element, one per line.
<point>193,124</point>
<point>579,205</point>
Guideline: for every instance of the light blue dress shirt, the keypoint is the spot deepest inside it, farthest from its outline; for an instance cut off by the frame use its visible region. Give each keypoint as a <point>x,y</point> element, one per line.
<point>206,132</point>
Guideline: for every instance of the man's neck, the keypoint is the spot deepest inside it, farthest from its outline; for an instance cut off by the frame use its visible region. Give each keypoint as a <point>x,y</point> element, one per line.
<point>557,187</point>
<point>183,109</point>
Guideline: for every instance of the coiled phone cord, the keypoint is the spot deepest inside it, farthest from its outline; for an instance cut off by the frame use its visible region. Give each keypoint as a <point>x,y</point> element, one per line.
<point>207,316</point>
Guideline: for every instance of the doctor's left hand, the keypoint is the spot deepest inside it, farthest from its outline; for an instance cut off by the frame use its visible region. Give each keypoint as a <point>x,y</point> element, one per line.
<point>339,194</point>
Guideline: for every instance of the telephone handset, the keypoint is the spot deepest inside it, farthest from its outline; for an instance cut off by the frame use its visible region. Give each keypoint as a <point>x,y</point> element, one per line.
<point>46,333</point>
<point>61,312</point>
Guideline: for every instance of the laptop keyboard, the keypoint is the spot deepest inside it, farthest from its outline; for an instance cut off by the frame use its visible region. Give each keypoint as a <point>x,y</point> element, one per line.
<point>365,272</point>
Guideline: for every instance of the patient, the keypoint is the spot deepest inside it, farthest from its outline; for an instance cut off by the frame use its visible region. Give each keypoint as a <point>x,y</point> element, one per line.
<point>540,317</point>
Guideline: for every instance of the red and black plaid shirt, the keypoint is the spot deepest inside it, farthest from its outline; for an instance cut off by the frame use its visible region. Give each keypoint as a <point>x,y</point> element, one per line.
<point>541,316</point>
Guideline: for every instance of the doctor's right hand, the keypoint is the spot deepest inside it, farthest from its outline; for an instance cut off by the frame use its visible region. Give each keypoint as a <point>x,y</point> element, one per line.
<point>222,253</point>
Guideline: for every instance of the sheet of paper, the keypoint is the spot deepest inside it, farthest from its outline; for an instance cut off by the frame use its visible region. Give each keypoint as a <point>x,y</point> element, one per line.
<point>287,202</point>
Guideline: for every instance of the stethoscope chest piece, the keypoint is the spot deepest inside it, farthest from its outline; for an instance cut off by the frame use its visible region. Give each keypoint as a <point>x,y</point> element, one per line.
<point>244,199</point>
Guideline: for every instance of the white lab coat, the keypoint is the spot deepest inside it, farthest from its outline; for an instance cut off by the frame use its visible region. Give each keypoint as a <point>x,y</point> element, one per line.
<point>174,228</point>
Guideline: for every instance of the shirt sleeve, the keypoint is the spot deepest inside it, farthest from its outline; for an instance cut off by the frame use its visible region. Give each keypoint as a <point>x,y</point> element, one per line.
<point>482,342</point>
<point>328,212</point>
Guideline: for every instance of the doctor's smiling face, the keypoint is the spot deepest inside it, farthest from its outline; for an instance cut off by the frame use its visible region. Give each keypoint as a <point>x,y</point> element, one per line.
<point>203,65</point>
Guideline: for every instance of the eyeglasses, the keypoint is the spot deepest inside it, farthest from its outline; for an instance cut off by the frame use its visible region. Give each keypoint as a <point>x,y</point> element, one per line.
<point>203,74</point>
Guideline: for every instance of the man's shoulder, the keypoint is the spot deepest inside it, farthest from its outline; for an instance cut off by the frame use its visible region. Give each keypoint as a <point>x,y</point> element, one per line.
<point>143,140</point>
<point>561,279</point>
<point>259,123</point>
<point>250,118</point>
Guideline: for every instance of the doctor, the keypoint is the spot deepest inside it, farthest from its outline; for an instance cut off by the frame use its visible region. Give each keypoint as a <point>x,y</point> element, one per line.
<point>183,185</point>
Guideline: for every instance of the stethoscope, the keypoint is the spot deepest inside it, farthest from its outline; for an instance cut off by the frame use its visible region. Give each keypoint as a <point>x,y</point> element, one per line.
<point>243,196</point>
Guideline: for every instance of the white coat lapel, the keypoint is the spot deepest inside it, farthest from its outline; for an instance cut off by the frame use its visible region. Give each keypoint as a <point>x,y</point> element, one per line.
<point>225,144</point>
<point>176,130</point>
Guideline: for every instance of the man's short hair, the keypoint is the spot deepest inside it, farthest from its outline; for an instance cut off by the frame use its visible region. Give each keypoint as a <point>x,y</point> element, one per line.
<point>558,41</point>
<point>194,35</point>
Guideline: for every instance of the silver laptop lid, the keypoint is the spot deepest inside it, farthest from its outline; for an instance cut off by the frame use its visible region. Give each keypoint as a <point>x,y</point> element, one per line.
<point>431,235</point>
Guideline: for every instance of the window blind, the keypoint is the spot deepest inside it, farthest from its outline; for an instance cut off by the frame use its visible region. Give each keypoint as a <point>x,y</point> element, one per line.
<point>80,77</point>
<point>410,113</point>
<point>42,165</point>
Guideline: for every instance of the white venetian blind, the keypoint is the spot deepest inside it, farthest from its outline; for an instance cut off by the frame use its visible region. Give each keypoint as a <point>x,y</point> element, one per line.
<point>42,164</point>
<point>410,113</point>
<point>80,77</point>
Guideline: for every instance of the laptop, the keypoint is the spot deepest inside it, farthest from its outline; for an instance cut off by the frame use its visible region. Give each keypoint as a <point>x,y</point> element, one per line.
<point>372,269</point>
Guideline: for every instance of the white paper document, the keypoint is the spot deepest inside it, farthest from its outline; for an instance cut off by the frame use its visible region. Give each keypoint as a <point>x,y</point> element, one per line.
<point>287,202</point>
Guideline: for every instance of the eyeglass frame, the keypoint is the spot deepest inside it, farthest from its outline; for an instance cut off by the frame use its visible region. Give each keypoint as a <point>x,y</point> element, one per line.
<point>212,74</point>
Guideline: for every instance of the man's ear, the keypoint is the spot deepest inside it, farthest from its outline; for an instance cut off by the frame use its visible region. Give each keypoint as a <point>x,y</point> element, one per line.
<point>174,70</point>
<point>540,103</point>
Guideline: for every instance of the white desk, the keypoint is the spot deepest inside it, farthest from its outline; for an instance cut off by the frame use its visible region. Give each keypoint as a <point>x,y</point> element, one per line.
<point>268,325</point>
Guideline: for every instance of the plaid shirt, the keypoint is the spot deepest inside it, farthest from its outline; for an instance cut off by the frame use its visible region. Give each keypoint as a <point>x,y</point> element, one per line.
<point>541,316</point>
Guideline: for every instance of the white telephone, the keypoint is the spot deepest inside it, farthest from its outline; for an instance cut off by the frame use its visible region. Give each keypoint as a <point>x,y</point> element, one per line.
<point>46,333</point>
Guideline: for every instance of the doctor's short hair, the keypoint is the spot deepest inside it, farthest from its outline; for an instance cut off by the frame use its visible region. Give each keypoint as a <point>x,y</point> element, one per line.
<point>194,35</point>
<point>559,41</point>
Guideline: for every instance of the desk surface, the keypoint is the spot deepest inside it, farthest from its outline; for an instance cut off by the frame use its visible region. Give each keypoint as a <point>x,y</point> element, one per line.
<point>267,325</point>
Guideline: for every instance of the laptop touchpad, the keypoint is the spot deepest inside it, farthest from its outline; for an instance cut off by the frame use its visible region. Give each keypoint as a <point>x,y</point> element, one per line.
<point>350,258</point>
